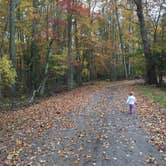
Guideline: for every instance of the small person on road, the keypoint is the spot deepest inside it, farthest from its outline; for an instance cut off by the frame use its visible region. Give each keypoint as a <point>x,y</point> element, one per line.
<point>131,101</point>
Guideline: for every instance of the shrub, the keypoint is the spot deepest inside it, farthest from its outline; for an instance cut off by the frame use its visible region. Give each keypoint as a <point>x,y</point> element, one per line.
<point>7,72</point>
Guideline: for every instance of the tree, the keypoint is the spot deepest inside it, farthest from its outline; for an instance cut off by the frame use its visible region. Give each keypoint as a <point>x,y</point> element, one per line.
<point>70,58</point>
<point>34,65</point>
<point>12,36</point>
<point>12,31</point>
<point>121,39</point>
<point>151,76</point>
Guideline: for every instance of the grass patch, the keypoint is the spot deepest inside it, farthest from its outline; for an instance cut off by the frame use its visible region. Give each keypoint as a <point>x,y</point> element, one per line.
<point>156,94</point>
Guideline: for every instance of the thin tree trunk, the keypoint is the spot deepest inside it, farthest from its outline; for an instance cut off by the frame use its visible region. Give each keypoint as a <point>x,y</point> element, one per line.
<point>78,59</point>
<point>0,88</point>
<point>157,22</point>
<point>3,39</point>
<point>12,32</point>
<point>70,58</point>
<point>2,50</point>
<point>131,48</point>
<point>114,72</point>
<point>161,70</point>
<point>12,36</point>
<point>43,84</point>
<point>160,65</point>
<point>121,40</point>
<point>35,65</point>
<point>162,59</point>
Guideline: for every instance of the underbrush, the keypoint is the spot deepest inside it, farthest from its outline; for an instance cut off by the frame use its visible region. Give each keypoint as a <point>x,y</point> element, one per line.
<point>156,94</point>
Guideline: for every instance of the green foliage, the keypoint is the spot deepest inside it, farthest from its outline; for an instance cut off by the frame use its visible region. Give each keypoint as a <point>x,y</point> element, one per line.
<point>138,61</point>
<point>58,64</point>
<point>7,72</point>
<point>85,73</point>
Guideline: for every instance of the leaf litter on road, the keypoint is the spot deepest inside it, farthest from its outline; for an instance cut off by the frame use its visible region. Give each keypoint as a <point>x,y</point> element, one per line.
<point>53,113</point>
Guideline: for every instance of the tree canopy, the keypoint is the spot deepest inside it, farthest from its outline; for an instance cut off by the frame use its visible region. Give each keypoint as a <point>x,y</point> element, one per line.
<point>68,42</point>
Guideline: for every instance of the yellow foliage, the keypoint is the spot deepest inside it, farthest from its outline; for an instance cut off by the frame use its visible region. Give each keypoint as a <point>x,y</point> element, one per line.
<point>85,72</point>
<point>7,72</point>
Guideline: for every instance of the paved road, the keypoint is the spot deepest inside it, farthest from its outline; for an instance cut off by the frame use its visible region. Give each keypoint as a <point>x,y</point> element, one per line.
<point>106,135</point>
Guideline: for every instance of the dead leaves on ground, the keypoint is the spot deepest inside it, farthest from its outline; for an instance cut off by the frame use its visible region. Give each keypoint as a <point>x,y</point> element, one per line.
<point>151,160</point>
<point>153,117</point>
<point>35,120</point>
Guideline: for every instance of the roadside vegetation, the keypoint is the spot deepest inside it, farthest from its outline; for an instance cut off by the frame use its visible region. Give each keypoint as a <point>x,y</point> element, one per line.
<point>154,93</point>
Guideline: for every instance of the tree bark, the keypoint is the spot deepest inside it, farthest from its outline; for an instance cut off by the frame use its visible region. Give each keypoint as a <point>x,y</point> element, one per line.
<point>0,90</point>
<point>12,32</point>
<point>121,40</point>
<point>43,84</point>
<point>35,65</point>
<point>2,50</point>
<point>151,76</point>
<point>70,58</point>
<point>156,22</point>
<point>3,38</point>
<point>12,37</point>
<point>78,58</point>
<point>113,37</point>
<point>162,58</point>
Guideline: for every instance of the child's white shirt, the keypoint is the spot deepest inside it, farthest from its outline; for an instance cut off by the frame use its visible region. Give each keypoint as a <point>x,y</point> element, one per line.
<point>131,100</point>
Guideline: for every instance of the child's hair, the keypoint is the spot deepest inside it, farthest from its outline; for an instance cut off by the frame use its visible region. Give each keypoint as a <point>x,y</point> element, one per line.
<point>131,93</point>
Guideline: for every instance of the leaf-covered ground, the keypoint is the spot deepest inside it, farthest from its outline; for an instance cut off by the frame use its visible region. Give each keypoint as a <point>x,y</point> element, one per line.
<point>153,116</point>
<point>88,126</point>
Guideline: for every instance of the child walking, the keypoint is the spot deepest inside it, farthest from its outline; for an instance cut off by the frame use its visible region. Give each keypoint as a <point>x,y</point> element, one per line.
<point>131,101</point>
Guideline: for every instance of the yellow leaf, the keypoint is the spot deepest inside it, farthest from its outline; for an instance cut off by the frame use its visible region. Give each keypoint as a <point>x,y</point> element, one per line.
<point>75,162</point>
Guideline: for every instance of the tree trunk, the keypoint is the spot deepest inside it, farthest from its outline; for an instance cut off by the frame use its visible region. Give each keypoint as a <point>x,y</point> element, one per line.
<point>131,48</point>
<point>151,76</point>
<point>0,88</point>
<point>160,65</point>
<point>162,58</point>
<point>70,58</point>
<point>43,84</point>
<point>160,75</point>
<point>12,36</point>
<point>35,66</point>
<point>3,38</point>
<point>113,37</point>
<point>121,40</point>
<point>12,32</point>
<point>2,49</point>
<point>78,59</point>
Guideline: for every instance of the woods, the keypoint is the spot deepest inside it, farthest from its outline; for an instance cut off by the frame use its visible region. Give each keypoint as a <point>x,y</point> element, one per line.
<point>67,68</point>
<point>47,44</point>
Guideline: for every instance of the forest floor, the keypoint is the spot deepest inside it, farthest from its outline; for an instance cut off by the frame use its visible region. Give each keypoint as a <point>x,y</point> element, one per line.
<point>89,126</point>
